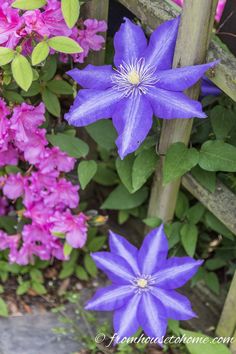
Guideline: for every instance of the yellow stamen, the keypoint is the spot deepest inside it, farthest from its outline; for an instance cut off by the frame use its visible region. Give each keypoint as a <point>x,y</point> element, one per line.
<point>133,77</point>
<point>142,283</point>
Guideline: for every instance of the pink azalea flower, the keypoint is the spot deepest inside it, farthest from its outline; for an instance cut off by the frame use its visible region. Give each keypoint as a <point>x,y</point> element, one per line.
<point>53,20</point>
<point>3,206</point>
<point>74,227</point>
<point>89,39</point>
<point>34,148</point>
<point>39,213</point>
<point>9,242</point>
<point>219,10</point>
<point>9,157</point>
<point>25,120</point>
<point>10,23</point>
<point>4,126</point>
<point>55,159</point>
<point>14,186</point>
<point>34,23</point>
<point>63,194</point>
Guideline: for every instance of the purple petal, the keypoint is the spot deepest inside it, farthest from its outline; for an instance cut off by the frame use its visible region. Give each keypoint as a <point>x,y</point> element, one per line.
<point>181,78</point>
<point>177,306</point>
<point>208,88</point>
<point>93,77</point>
<point>116,268</point>
<point>120,246</point>
<point>125,319</point>
<point>92,105</point>
<point>152,316</point>
<point>176,272</point>
<point>110,298</point>
<point>160,51</point>
<point>170,104</point>
<point>153,251</point>
<point>132,120</point>
<point>129,42</point>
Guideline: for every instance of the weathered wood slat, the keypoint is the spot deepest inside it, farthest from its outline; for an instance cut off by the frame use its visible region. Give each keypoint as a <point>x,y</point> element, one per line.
<point>154,12</point>
<point>96,9</point>
<point>227,323</point>
<point>222,203</point>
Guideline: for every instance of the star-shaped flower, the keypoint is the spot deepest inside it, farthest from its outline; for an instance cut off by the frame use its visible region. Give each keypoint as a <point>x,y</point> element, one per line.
<point>142,84</point>
<point>143,282</point>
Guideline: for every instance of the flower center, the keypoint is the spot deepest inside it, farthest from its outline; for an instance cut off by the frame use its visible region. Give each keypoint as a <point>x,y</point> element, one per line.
<point>134,78</point>
<point>142,283</point>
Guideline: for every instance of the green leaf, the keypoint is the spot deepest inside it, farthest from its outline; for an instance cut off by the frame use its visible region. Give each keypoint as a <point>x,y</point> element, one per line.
<point>203,346</point>
<point>74,147</point>
<point>195,213</point>
<point>218,156</point>
<point>64,45</point>
<point>173,233</point>
<point>70,10</point>
<point>124,168</point>
<point>23,288</point>
<point>189,235</point>
<point>8,223</point>
<point>103,133</point>
<point>152,222</point>
<point>29,4</point>
<point>3,308</point>
<point>81,273</point>
<point>182,206</point>
<point>52,102</point>
<point>6,55</point>
<point>86,171</point>
<point>97,243</point>
<point>13,96</point>
<point>39,288</point>
<point>123,216</point>
<point>179,160</point>
<point>66,272</point>
<point>222,121</point>
<point>36,275</point>
<point>22,72</point>
<point>60,87</point>
<point>143,167</point>
<point>215,224</point>
<point>205,178</point>
<point>32,91</point>
<point>121,199</point>
<point>90,265</point>
<point>49,69</point>
<point>215,263</point>
<point>40,53</point>
<point>67,249</point>
<point>105,175</point>
<point>212,282</point>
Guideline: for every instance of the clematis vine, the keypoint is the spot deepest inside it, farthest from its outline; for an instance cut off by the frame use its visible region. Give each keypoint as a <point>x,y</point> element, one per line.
<point>143,293</point>
<point>143,84</point>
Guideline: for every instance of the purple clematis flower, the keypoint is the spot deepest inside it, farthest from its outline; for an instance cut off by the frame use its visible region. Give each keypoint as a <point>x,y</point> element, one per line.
<point>208,88</point>
<point>142,293</point>
<point>142,84</point>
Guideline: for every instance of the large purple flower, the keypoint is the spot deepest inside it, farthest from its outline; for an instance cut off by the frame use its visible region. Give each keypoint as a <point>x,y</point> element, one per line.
<point>142,293</point>
<point>142,84</point>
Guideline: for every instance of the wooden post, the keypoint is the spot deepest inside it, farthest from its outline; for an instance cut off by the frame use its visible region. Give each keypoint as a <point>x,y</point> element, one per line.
<point>96,9</point>
<point>227,323</point>
<point>191,48</point>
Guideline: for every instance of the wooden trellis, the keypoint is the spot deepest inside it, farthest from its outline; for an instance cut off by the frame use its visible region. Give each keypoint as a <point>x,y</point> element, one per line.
<point>195,44</point>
